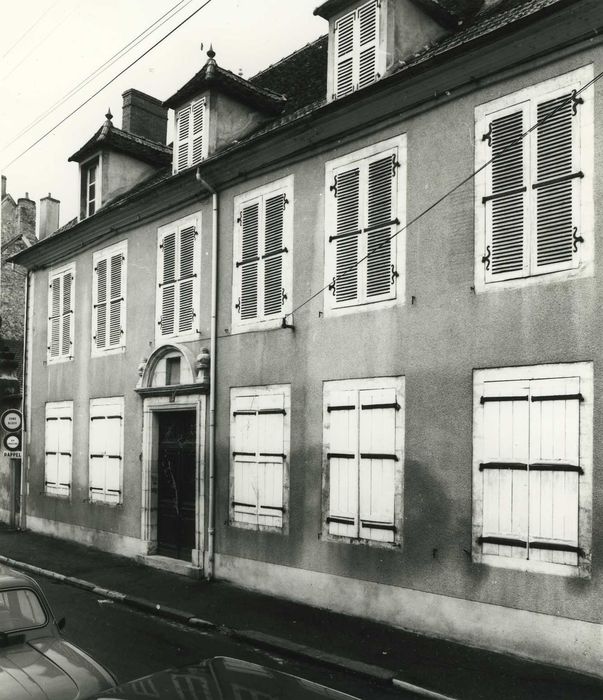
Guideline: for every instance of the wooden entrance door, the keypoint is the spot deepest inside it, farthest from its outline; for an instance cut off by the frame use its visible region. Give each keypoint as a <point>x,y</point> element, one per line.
<point>176,484</point>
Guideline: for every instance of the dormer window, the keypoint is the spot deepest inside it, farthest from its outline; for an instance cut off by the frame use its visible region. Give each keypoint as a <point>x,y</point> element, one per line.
<point>190,140</point>
<point>356,49</point>
<point>91,195</point>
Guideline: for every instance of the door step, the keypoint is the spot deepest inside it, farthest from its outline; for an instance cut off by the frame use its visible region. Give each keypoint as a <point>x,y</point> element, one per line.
<point>174,566</point>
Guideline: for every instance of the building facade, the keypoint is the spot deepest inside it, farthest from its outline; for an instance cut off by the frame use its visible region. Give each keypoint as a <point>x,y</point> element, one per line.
<point>342,344</point>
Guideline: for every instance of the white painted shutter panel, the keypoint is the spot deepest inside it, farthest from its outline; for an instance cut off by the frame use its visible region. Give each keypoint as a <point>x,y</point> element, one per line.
<point>346,238</point>
<point>380,223</point>
<point>274,253</point>
<point>67,314</point>
<point>113,456</point>
<point>52,449</point>
<point>248,264</point>
<point>342,457</point>
<point>368,27</point>
<point>168,284</point>
<point>378,457</point>
<point>245,500</point>
<point>183,129</point>
<point>557,185</point>
<point>271,459</point>
<point>97,447</point>
<point>505,407</point>
<point>198,110</point>
<point>507,224</point>
<point>65,426</point>
<point>54,325</point>
<point>344,54</point>
<point>115,307</point>
<point>100,335</point>
<point>186,285</point>
<point>554,469</point>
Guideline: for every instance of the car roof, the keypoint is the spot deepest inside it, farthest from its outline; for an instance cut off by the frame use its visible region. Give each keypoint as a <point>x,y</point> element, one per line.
<point>9,578</point>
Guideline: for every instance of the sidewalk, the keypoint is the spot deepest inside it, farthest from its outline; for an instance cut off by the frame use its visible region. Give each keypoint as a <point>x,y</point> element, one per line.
<point>352,643</point>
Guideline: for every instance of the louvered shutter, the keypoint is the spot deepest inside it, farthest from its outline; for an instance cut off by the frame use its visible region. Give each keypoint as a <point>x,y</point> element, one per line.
<point>101,303</point>
<point>183,130</point>
<point>168,284</point>
<point>342,457</point>
<point>67,315</point>
<point>346,238</point>
<point>380,223</point>
<point>504,469</point>
<point>115,308</point>
<point>271,459</point>
<point>368,30</point>
<point>245,466</point>
<point>274,252</point>
<point>557,185</point>
<point>52,449</point>
<point>506,254</point>
<point>187,275</point>
<point>344,54</point>
<point>54,324</point>
<point>554,470</point>
<point>198,116</point>
<point>378,457</point>
<point>248,263</point>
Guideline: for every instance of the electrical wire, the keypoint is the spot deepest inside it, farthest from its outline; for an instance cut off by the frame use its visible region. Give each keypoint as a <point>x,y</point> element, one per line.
<point>159,22</point>
<point>33,26</point>
<point>85,102</point>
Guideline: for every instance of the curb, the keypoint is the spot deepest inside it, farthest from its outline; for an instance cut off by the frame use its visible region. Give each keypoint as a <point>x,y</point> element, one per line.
<point>260,639</point>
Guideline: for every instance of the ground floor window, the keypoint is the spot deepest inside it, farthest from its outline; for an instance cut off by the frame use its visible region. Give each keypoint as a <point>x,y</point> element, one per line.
<point>363,458</point>
<point>58,448</point>
<point>260,438</point>
<point>106,449</point>
<point>533,466</point>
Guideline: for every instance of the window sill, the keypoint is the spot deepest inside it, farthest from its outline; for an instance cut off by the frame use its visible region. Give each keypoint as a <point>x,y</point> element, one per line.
<point>106,504</point>
<point>59,360</point>
<point>365,307</point>
<point>118,350</point>
<point>584,270</point>
<point>279,529</point>
<point>538,567</point>
<point>255,326</point>
<point>357,541</point>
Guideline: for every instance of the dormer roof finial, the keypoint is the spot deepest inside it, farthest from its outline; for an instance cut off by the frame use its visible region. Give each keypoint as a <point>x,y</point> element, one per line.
<point>211,54</point>
<point>109,116</point>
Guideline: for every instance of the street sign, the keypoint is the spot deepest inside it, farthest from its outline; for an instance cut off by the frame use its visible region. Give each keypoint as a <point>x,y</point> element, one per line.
<point>11,420</point>
<point>12,455</point>
<point>12,442</point>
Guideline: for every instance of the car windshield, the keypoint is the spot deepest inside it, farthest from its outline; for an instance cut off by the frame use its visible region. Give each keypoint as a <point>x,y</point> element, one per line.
<point>20,609</point>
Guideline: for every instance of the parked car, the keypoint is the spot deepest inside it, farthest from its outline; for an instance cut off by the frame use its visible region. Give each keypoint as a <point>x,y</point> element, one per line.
<point>36,663</point>
<point>222,678</point>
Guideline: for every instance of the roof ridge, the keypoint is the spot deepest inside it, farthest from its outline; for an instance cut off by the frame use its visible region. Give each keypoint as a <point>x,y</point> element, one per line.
<point>288,56</point>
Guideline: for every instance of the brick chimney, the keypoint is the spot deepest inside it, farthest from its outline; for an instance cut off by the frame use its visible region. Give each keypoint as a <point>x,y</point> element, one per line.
<point>3,186</point>
<point>49,216</point>
<point>26,217</point>
<point>144,115</point>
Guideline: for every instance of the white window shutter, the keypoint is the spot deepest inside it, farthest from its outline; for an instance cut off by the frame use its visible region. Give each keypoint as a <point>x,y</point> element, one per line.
<point>346,190</point>
<point>378,457</point>
<point>274,254</point>
<point>113,457</point>
<point>183,131</point>
<point>504,468</point>
<point>67,312</point>
<point>380,225</point>
<point>186,286</point>
<point>52,449</point>
<point>97,447</point>
<point>100,312</point>
<point>58,447</point>
<point>65,425</point>
<point>245,466</point>
<point>506,254</point>
<point>168,284</point>
<point>271,459</point>
<point>198,131</point>
<point>248,264</point>
<point>342,457</point>
<point>344,54</point>
<point>54,323</point>
<point>368,30</point>
<point>116,303</point>
<point>557,185</point>
<point>554,469</point>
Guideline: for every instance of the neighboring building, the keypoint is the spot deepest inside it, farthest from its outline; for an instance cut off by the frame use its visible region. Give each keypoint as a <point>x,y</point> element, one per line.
<point>417,442</point>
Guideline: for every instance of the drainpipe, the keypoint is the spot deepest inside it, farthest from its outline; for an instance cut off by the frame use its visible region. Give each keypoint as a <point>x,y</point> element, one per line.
<point>211,519</point>
<point>24,409</point>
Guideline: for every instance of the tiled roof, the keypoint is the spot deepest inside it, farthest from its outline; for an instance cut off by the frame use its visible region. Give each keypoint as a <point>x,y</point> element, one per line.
<point>125,142</point>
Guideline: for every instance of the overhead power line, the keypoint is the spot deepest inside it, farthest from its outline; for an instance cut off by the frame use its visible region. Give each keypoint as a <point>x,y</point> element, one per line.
<point>77,109</point>
<point>32,27</point>
<point>159,22</point>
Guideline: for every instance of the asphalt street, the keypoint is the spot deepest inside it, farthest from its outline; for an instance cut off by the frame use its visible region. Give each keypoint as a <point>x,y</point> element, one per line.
<point>133,644</point>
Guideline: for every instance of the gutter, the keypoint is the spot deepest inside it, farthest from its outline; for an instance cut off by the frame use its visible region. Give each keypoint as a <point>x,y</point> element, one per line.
<point>211,517</point>
<point>24,409</point>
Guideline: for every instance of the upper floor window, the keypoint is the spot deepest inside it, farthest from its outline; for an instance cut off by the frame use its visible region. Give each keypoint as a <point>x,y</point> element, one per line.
<point>262,255</point>
<point>534,209</point>
<point>90,187</point>
<point>109,298</point>
<point>178,278</point>
<point>60,313</point>
<point>190,142</point>
<point>364,210</point>
<point>356,49</point>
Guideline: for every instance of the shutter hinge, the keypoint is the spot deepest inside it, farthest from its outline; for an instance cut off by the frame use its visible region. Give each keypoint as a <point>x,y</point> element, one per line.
<point>395,164</point>
<point>333,187</point>
<point>332,286</point>
<point>486,257</point>
<point>161,246</point>
<point>238,305</point>
<point>577,239</point>
<point>285,202</point>
<point>239,219</point>
<point>160,320</point>
<point>488,135</point>
<point>284,296</point>
<point>395,274</point>
<point>576,101</point>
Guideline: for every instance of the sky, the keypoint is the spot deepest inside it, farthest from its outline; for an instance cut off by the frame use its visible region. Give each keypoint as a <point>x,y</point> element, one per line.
<point>48,47</point>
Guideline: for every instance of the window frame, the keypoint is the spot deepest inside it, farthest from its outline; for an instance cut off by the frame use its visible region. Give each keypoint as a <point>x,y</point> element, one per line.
<point>532,95</point>
<point>190,161</point>
<point>255,392</point>
<point>397,384</point>
<point>52,408</point>
<point>94,161</point>
<point>397,145</point>
<point>54,274</point>
<point>114,403</point>
<point>283,185</point>
<point>584,371</point>
<point>107,254</point>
